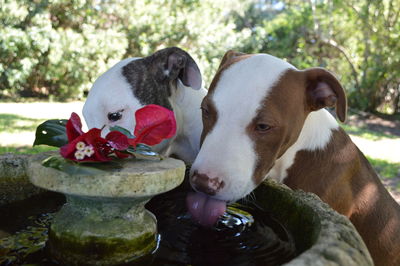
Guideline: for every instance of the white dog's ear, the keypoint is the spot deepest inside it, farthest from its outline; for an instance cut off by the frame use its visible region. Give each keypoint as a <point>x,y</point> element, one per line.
<point>324,90</point>
<point>181,65</point>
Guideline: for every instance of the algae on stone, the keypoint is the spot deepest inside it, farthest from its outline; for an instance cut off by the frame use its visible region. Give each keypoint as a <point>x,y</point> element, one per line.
<point>323,236</point>
<point>14,182</point>
<point>104,221</point>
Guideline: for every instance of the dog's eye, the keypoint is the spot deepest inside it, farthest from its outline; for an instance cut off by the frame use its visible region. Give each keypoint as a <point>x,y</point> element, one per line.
<point>262,127</point>
<point>204,112</point>
<point>114,116</point>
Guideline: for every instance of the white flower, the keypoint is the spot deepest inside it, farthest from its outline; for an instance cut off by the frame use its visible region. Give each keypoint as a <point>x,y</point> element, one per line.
<point>80,146</point>
<point>88,151</point>
<point>79,155</point>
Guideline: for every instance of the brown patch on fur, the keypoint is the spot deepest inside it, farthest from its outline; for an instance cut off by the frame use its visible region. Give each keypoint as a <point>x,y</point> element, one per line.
<point>341,154</point>
<point>206,184</point>
<point>210,114</point>
<point>321,78</point>
<point>229,59</point>
<point>209,117</point>
<point>349,185</point>
<point>279,110</point>
<point>229,56</point>
<point>153,77</point>
<point>285,109</point>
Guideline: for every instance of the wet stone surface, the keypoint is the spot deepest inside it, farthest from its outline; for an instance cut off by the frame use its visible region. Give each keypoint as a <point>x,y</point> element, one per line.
<point>14,182</point>
<point>125,178</point>
<point>104,221</point>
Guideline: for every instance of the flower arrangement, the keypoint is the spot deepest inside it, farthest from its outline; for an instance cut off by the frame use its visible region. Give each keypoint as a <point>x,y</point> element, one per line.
<point>154,123</point>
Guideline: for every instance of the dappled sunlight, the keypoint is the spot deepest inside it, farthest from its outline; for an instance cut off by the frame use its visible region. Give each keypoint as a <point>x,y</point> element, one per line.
<point>17,139</point>
<point>42,110</point>
<point>18,122</point>
<point>387,149</point>
<point>28,149</point>
<point>15,123</point>
<point>367,196</point>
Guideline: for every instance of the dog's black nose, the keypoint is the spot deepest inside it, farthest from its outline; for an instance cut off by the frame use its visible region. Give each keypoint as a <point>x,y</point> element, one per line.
<point>203,183</point>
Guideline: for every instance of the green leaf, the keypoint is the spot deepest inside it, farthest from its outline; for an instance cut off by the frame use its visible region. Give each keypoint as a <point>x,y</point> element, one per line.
<point>70,167</point>
<point>143,147</point>
<point>123,131</point>
<point>52,133</point>
<point>144,153</point>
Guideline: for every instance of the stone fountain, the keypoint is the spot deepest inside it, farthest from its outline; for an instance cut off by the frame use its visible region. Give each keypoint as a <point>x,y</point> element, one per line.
<point>104,221</point>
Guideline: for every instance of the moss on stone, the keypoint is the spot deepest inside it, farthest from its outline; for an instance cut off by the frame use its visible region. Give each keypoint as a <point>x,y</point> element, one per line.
<point>14,182</point>
<point>133,178</point>
<point>322,236</point>
<point>94,250</point>
<point>104,221</point>
<point>77,237</point>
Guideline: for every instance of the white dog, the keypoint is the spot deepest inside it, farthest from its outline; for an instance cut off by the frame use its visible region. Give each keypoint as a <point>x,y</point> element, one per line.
<point>170,78</point>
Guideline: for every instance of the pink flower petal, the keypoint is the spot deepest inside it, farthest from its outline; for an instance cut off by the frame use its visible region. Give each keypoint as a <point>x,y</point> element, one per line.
<point>74,127</point>
<point>154,123</point>
<point>92,138</point>
<point>117,140</point>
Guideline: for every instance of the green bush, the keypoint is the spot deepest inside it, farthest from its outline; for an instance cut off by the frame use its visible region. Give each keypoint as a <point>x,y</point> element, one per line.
<point>47,52</point>
<point>58,48</point>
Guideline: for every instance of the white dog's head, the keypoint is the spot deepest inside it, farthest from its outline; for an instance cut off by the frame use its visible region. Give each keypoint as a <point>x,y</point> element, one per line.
<point>253,113</point>
<point>136,82</point>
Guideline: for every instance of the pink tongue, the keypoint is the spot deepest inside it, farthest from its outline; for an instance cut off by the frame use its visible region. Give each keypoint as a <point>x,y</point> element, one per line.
<point>205,210</point>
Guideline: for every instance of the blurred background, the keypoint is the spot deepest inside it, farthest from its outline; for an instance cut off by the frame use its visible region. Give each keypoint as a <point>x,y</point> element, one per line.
<point>55,49</point>
<point>51,51</point>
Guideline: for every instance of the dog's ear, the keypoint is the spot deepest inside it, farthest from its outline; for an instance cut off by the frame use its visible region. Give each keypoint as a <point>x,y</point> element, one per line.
<point>181,65</point>
<point>228,56</point>
<point>324,90</point>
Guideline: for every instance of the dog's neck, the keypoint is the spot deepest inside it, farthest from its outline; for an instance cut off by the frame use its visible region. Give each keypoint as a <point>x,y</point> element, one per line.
<point>186,102</point>
<point>315,135</point>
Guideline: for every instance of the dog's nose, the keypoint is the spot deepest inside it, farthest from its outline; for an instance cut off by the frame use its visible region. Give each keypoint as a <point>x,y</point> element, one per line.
<point>205,184</point>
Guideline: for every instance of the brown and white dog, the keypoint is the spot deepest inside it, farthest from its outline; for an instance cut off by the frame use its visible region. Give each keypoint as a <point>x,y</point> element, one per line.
<point>170,78</point>
<point>263,118</point>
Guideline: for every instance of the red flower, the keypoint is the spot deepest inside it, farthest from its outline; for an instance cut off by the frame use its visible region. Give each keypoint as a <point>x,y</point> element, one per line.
<point>154,123</point>
<point>90,146</point>
<point>74,127</point>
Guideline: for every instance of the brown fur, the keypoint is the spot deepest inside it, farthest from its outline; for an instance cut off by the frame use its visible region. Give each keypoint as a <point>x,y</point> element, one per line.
<point>347,182</point>
<point>339,174</point>
<point>209,113</point>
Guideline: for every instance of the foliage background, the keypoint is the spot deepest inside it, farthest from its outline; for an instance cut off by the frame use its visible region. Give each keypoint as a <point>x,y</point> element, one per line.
<point>56,49</point>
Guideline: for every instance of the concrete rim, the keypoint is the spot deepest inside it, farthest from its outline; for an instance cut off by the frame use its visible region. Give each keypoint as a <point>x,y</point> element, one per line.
<point>137,178</point>
<point>324,237</point>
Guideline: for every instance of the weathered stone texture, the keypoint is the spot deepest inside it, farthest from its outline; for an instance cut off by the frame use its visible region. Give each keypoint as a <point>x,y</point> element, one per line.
<point>14,182</point>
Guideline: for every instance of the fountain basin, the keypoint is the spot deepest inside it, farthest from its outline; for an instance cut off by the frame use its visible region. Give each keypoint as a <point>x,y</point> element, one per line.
<point>104,221</point>
<point>14,182</point>
<point>321,236</point>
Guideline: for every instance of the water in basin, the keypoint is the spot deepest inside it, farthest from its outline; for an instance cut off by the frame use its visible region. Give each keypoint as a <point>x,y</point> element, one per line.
<point>246,235</point>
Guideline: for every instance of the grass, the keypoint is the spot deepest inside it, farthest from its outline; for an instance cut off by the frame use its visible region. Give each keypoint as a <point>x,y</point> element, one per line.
<point>366,133</point>
<point>12,123</point>
<point>26,149</point>
<point>384,168</point>
<point>15,123</point>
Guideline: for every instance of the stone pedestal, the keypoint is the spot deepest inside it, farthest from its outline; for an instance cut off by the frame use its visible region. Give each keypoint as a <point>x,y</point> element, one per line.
<point>104,221</point>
